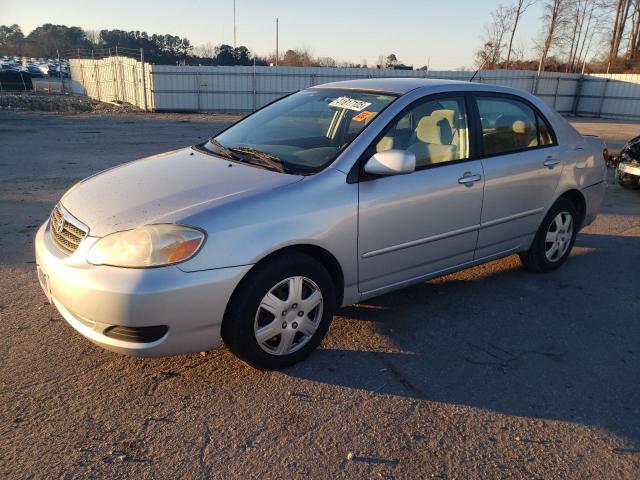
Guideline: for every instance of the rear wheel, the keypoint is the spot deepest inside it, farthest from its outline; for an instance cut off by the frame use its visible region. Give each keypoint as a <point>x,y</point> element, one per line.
<point>554,240</point>
<point>281,312</point>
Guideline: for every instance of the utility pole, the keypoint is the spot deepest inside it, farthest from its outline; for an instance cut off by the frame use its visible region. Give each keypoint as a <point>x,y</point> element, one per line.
<point>234,24</point>
<point>276,42</point>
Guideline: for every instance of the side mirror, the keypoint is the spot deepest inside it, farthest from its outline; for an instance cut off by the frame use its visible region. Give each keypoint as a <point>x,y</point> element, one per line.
<point>391,162</point>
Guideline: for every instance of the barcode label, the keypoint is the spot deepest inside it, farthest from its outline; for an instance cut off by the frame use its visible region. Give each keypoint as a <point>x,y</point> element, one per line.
<point>349,104</point>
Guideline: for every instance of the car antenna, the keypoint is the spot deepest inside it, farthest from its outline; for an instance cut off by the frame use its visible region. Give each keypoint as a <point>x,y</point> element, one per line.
<point>476,72</point>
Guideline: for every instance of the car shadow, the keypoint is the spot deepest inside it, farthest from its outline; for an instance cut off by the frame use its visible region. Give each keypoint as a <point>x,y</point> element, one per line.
<point>562,346</point>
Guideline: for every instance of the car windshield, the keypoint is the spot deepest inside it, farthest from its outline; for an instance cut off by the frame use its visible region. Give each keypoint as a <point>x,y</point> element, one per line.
<point>302,133</point>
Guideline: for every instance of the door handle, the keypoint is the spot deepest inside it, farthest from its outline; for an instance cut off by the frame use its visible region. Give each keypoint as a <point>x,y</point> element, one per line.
<point>468,179</point>
<point>551,162</point>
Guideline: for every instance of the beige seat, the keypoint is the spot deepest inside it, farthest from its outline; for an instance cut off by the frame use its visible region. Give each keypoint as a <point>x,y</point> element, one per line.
<point>433,139</point>
<point>385,143</point>
<point>510,133</point>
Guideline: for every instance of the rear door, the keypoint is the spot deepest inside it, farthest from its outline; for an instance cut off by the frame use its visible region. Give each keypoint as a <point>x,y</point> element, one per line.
<point>413,225</point>
<point>522,166</point>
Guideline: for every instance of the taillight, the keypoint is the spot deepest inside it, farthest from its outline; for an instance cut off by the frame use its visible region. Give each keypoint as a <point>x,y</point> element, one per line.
<point>605,155</point>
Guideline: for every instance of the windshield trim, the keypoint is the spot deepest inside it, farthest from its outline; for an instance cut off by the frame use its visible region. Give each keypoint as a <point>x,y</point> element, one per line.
<point>311,171</point>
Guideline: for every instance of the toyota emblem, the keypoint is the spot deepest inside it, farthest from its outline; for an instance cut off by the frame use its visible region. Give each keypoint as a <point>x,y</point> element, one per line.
<point>60,225</point>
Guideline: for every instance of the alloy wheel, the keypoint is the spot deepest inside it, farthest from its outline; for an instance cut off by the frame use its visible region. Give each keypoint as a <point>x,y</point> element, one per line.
<point>288,315</point>
<point>559,235</point>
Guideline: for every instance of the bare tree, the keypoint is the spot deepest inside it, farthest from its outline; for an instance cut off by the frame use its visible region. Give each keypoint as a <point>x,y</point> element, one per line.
<point>490,54</point>
<point>517,11</point>
<point>326,62</point>
<point>93,36</point>
<point>622,13</point>
<point>577,11</point>
<point>581,43</point>
<point>206,50</point>
<point>633,50</point>
<point>554,18</point>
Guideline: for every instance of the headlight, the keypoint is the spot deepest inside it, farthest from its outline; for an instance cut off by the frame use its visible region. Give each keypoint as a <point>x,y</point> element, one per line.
<point>147,246</point>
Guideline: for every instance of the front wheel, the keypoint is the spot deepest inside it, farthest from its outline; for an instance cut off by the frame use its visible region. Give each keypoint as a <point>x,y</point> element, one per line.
<point>554,240</point>
<point>281,312</point>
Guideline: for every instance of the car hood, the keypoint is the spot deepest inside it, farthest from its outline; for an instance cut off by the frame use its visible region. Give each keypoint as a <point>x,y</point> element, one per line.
<point>164,188</point>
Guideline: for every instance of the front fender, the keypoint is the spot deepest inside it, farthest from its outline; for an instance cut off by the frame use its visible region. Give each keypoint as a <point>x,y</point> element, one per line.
<point>320,210</point>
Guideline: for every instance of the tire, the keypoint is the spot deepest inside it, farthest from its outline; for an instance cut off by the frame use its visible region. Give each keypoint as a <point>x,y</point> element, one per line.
<point>541,256</point>
<point>288,334</point>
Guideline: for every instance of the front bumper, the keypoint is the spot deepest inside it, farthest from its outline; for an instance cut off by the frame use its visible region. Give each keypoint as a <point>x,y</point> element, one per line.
<point>93,299</point>
<point>629,169</point>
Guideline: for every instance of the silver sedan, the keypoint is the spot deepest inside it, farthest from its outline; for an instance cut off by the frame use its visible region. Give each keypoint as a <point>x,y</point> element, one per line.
<point>322,199</point>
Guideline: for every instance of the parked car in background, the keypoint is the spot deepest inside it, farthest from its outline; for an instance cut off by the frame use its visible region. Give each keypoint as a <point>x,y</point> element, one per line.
<point>58,70</point>
<point>628,167</point>
<point>15,80</point>
<point>322,199</point>
<point>44,68</point>
<point>9,66</point>
<point>32,70</point>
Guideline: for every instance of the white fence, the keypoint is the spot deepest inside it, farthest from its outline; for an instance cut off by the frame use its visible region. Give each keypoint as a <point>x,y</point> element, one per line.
<point>244,89</point>
<point>113,79</point>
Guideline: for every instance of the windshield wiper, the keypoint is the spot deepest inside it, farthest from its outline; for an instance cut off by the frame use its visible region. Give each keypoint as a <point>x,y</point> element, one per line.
<point>222,150</point>
<point>260,158</point>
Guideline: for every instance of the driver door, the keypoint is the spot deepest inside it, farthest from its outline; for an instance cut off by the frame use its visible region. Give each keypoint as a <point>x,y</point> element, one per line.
<point>414,225</point>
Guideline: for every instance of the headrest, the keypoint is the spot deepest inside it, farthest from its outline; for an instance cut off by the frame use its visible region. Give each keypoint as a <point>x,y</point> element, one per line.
<point>513,123</point>
<point>449,115</point>
<point>519,126</point>
<point>385,143</point>
<point>436,128</point>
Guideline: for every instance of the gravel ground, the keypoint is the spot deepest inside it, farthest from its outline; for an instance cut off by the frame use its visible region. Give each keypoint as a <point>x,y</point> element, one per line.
<point>488,373</point>
<point>45,102</point>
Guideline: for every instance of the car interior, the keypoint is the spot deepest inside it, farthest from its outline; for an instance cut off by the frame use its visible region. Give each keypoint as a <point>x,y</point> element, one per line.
<point>507,125</point>
<point>435,132</point>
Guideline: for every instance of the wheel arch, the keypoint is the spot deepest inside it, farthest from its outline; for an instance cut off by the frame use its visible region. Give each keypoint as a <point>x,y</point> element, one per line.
<point>576,197</point>
<point>320,254</point>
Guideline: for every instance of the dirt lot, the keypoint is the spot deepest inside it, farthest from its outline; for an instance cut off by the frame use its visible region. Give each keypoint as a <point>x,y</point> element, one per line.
<point>489,373</point>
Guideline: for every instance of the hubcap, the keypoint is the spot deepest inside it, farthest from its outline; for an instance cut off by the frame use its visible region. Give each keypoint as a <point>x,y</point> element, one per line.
<point>558,236</point>
<point>288,315</point>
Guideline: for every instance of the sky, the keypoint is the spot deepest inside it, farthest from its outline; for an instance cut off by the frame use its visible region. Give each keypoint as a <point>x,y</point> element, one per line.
<point>444,34</point>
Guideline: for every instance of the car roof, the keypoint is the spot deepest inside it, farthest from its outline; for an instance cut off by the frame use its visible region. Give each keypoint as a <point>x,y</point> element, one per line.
<point>405,85</point>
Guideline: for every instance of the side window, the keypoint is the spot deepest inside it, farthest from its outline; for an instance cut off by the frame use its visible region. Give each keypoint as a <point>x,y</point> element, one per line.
<point>544,132</point>
<point>436,131</point>
<point>507,125</point>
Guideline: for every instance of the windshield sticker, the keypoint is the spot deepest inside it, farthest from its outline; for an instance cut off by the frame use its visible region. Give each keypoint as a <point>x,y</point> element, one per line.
<point>349,104</point>
<point>362,116</point>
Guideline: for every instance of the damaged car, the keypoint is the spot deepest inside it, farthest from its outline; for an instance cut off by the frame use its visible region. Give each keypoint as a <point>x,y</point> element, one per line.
<point>628,167</point>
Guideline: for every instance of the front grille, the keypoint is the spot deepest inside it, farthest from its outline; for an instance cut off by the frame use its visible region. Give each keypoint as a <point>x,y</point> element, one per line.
<point>137,334</point>
<point>66,231</point>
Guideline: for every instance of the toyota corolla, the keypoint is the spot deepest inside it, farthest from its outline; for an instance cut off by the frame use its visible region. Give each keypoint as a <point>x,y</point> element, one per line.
<point>322,199</point>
